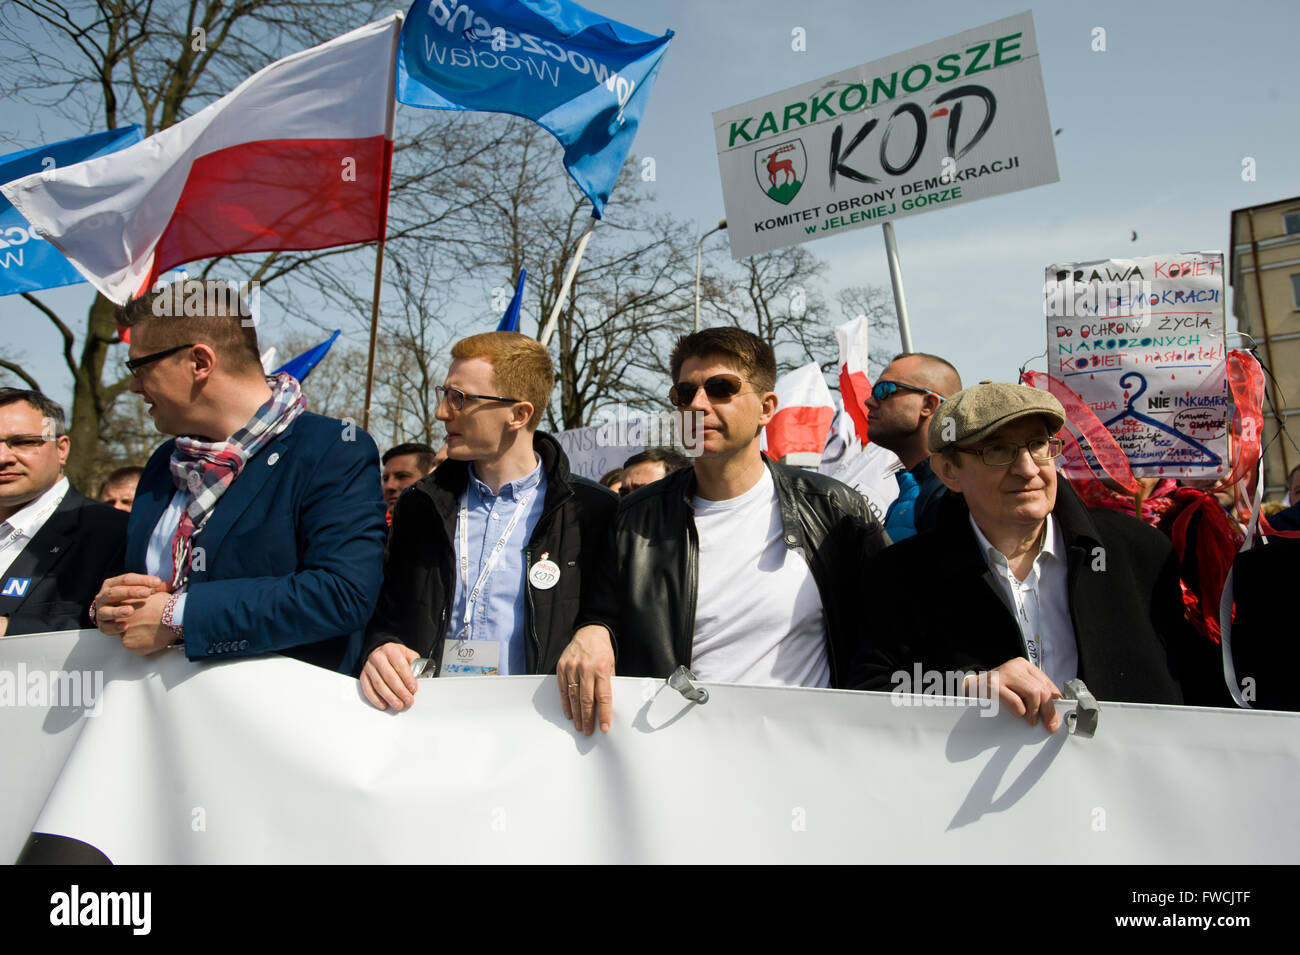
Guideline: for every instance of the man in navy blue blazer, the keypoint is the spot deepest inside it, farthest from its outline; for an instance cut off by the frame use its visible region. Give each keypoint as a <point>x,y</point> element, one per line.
<point>260,527</point>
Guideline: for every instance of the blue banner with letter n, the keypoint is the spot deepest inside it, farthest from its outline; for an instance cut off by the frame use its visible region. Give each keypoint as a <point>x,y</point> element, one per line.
<point>584,78</point>
<point>27,262</point>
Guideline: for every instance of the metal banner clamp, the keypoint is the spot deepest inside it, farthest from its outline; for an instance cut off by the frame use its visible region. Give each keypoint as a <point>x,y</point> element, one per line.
<point>683,681</point>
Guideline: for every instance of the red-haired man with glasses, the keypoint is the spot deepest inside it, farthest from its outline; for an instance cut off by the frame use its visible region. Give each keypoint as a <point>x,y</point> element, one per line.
<point>1025,587</point>
<point>742,569</point>
<point>490,556</point>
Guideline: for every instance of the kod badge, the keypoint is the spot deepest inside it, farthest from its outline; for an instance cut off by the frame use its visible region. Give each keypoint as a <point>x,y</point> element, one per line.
<point>544,574</point>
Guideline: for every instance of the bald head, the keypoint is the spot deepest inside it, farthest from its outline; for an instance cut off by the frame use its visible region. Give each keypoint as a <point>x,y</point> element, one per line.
<point>901,421</point>
<point>924,371</point>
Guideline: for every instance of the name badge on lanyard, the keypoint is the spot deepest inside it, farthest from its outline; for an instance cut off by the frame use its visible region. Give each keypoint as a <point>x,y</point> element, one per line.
<point>470,658</point>
<point>472,596</point>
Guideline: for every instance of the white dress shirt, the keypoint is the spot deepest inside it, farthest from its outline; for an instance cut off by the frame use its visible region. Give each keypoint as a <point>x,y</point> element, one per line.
<point>1041,603</point>
<point>158,552</point>
<point>17,532</point>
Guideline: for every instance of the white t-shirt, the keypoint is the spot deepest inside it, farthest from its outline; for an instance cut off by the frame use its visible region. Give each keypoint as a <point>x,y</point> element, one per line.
<point>758,615</point>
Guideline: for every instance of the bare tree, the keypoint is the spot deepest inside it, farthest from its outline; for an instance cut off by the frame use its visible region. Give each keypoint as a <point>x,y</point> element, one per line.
<point>777,296</point>
<point>104,63</point>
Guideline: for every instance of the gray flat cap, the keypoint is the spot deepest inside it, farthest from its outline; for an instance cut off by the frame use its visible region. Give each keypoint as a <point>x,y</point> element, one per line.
<point>974,413</point>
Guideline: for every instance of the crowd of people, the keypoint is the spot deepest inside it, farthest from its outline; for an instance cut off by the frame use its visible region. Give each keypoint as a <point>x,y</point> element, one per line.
<point>260,526</point>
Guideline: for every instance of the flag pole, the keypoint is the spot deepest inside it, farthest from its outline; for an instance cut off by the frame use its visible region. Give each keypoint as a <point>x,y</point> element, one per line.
<point>896,280</point>
<point>374,332</point>
<point>389,124</point>
<point>549,330</point>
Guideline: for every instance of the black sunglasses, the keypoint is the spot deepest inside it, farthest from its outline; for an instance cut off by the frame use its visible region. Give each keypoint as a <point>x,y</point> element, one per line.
<point>135,364</point>
<point>718,388</point>
<point>455,398</point>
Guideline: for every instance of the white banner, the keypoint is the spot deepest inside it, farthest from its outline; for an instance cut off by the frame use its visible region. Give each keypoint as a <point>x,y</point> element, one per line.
<point>956,120</point>
<point>273,761</point>
<point>1142,342</point>
<point>590,452</point>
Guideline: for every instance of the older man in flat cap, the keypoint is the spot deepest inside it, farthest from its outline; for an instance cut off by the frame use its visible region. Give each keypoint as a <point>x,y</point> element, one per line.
<point>1024,583</point>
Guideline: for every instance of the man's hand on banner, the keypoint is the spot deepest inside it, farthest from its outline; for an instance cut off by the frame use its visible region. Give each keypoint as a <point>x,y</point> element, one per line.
<point>119,597</point>
<point>1024,689</point>
<point>144,632</point>
<point>584,674</point>
<point>387,680</point>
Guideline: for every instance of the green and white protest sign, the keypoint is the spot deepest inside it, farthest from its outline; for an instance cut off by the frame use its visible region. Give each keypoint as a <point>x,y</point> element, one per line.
<point>959,119</point>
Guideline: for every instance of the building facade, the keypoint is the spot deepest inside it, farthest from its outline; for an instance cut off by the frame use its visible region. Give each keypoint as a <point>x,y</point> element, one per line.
<point>1265,277</point>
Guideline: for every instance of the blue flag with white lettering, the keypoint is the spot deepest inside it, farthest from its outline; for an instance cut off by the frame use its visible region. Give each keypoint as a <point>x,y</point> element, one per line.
<point>584,78</point>
<point>27,262</point>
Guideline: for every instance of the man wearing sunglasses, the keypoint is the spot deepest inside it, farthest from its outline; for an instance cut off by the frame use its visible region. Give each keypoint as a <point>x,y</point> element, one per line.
<point>55,544</point>
<point>740,568</point>
<point>490,556</point>
<point>260,526</point>
<point>1025,588</point>
<point>904,400</point>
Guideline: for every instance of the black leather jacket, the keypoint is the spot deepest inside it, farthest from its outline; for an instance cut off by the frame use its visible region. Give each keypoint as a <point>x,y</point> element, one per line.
<point>420,560</point>
<point>649,591</point>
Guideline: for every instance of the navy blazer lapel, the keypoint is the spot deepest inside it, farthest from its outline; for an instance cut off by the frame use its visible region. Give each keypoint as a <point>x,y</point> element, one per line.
<point>50,545</point>
<point>245,488</point>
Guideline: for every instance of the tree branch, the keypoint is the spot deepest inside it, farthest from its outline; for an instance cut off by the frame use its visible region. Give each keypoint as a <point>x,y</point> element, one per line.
<point>17,370</point>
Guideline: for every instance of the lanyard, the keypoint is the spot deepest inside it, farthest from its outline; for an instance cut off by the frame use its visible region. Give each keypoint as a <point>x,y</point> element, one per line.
<point>17,533</point>
<point>38,520</point>
<point>490,564</point>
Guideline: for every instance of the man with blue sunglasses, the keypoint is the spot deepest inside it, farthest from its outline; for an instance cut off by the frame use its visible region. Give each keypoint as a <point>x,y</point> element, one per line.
<point>903,401</point>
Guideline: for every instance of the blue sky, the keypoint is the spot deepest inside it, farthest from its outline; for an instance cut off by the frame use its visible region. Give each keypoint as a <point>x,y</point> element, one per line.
<point>1154,133</point>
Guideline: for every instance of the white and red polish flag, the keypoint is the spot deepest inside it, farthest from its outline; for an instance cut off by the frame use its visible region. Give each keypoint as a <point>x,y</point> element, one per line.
<point>803,415</point>
<point>297,157</point>
<point>855,386</point>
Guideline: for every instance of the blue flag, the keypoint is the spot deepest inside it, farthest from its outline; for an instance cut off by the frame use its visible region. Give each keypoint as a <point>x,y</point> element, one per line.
<point>582,77</point>
<point>510,320</point>
<point>27,262</point>
<point>301,366</point>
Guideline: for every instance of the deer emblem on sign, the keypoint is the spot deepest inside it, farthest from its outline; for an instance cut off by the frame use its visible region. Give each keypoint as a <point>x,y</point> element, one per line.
<point>785,166</point>
<point>780,169</point>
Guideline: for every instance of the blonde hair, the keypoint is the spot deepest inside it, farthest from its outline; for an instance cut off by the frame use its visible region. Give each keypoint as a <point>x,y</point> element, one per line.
<point>520,364</point>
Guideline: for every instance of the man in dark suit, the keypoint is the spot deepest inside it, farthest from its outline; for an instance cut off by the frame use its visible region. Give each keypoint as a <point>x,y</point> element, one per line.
<point>1026,588</point>
<point>261,526</point>
<point>55,545</point>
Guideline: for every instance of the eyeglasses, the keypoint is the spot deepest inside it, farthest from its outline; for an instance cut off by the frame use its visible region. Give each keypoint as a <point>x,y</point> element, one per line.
<point>887,389</point>
<point>718,388</point>
<point>455,398</point>
<point>27,443</point>
<point>133,365</point>
<point>1041,450</point>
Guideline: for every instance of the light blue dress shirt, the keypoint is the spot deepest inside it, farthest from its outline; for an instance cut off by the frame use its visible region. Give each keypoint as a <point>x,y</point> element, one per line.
<point>499,611</point>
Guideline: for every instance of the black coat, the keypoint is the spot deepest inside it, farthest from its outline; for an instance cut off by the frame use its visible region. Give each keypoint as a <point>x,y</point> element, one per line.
<point>1264,647</point>
<point>931,600</point>
<point>650,587</point>
<point>79,546</point>
<point>420,561</point>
